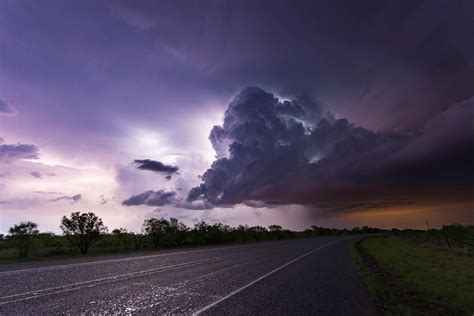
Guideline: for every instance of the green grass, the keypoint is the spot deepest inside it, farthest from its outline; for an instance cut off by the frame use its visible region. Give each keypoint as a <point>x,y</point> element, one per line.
<point>408,278</point>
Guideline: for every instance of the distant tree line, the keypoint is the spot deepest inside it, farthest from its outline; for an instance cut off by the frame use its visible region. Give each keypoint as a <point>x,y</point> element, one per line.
<point>85,231</point>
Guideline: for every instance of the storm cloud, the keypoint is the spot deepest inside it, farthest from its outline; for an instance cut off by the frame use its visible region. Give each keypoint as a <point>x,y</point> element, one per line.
<point>293,152</point>
<point>151,198</point>
<point>13,152</point>
<point>156,166</point>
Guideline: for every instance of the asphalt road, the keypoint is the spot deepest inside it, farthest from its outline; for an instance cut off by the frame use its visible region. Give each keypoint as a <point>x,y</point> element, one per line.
<point>308,276</point>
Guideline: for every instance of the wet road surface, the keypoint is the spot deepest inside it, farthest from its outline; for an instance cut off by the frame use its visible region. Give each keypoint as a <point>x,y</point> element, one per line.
<point>313,276</point>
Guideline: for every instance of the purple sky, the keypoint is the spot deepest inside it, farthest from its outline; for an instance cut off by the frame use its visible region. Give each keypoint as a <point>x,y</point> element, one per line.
<point>101,101</point>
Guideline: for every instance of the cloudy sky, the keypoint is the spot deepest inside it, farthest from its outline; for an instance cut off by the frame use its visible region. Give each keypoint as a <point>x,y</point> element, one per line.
<point>299,113</point>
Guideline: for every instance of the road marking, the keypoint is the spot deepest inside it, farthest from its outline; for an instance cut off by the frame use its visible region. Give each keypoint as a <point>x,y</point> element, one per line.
<point>72,265</point>
<point>91,283</point>
<point>205,308</point>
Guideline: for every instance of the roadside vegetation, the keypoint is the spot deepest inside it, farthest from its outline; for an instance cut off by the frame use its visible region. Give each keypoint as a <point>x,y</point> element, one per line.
<point>420,272</point>
<point>86,234</point>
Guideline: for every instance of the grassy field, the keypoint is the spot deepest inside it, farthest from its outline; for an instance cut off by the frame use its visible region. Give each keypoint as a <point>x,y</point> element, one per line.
<point>406,277</point>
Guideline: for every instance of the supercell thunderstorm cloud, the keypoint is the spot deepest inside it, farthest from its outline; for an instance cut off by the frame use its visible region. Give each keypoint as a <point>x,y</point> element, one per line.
<point>294,152</point>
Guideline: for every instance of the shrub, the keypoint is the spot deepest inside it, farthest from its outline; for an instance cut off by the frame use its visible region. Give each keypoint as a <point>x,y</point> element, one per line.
<point>83,230</point>
<point>23,237</point>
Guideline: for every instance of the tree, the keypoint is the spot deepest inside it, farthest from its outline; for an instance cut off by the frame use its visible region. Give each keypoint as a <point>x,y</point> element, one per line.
<point>176,232</point>
<point>23,237</point>
<point>276,231</point>
<point>199,232</point>
<point>46,239</point>
<point>137,239</point>
<point>83,230</point>
<point>156,229</point>
<point>120,237</point>
<point>2,242</point>
<point>216,233</point>
<point>258,232</point>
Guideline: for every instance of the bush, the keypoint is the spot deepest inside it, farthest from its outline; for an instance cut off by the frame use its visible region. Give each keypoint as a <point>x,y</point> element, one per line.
<point>83,230</point>
<point>23,237</point>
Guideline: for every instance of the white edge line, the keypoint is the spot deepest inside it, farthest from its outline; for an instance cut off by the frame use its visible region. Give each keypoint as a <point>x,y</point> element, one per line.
<point>205,308</point>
